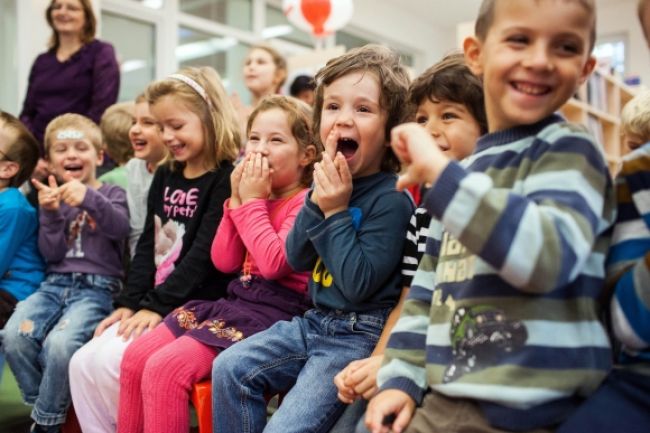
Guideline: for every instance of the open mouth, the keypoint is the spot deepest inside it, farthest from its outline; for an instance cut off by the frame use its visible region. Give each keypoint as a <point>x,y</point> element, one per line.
<point>139,145</point>
<point>176,148</point>
<point>531,88</point>
<point>347,147</point>
<point>73,168</point>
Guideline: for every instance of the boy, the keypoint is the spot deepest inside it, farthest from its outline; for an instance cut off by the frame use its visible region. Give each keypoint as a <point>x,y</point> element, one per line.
<point>21,265</point>
<point>447,100</point>
<point>83,225</point>
<point>500,331</point>
<point>341,234</point>
<point>115,125</point>
<point>635,121</point>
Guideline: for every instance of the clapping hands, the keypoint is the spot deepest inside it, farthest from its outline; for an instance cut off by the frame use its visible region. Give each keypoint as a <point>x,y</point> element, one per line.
<point>72,192</point>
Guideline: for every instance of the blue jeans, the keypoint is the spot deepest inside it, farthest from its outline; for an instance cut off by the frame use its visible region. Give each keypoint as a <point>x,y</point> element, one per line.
<point>46,329</point>
<point>303,355</point>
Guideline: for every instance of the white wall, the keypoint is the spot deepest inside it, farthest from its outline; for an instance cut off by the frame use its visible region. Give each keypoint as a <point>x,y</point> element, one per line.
<point>620,17</point>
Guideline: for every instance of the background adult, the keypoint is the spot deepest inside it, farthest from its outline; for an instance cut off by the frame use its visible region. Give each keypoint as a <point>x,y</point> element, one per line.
<point>77,74</point>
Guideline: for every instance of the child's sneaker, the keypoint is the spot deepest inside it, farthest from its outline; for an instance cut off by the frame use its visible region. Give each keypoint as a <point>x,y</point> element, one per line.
<point>38,428</point>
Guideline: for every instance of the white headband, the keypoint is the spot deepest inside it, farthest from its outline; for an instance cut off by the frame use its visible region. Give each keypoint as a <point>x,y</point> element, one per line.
<point>193,84</point>
<point>69,134</point>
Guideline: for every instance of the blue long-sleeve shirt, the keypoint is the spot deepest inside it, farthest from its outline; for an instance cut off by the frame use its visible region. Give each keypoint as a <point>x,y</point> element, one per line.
<point>355,254</point>
<point>21,266</point>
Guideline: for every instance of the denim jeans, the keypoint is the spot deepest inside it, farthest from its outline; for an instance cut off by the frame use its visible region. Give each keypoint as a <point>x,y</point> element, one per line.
<point>303,355</point>
<point>46,329</point>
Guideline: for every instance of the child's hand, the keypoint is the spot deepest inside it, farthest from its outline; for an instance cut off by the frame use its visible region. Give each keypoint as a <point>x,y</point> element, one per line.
<point>386,403</point>
<point>360,378</point>
<point>256,179</point>
<point>118,315</point>
<point>72,191</point>
<point>136,324</point>
<point>235,179</point>
<point>49,196</point>
<point>415,148</point>
<point>332,184</point>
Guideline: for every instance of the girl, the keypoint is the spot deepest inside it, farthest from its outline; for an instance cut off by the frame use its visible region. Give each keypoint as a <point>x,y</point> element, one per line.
<point>268,190</point>
<point>171,263</point>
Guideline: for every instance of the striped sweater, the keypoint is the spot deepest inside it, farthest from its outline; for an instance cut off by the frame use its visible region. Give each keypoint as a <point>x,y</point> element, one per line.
<point>503,307</point>
<point>628,264</point>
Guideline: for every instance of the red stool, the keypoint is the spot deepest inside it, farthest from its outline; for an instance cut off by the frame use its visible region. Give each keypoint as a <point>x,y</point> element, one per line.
<point>71,424</point>
<point>201,399</point>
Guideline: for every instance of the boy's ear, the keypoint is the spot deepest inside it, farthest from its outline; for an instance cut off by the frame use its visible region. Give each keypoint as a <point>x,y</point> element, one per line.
<point>100,157</point>
<point>472,48</point>
<point>587,69</point>
<point>8,170</point>
<point>308,156</point>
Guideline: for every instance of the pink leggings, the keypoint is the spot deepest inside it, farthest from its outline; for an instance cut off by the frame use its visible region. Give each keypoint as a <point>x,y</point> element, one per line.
<point>160,370</point>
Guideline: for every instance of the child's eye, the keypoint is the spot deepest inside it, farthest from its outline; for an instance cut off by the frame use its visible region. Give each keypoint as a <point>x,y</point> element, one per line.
<point>569,47</point>
<point>277,140</point>
<point>448,115</point>
<point>364,109</point>
<point>517,39</point>
<point>422,120</point>
<point>254,138</point>
<point>331,106</point>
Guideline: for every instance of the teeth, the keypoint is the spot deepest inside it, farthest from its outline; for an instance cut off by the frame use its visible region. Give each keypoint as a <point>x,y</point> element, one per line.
<point>531,89</point>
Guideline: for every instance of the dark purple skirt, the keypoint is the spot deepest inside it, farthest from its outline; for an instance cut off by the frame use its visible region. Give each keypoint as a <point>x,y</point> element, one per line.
<point>244,312</point>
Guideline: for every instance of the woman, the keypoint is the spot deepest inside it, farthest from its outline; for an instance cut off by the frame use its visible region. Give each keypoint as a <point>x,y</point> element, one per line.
<point>78,73</point>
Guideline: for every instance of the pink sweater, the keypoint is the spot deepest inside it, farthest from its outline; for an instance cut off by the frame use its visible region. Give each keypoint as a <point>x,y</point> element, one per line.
<point>256,227</point>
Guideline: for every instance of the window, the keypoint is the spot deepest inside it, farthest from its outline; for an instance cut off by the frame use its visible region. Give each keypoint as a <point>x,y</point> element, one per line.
<point>137,60</point>
<point>277,26</point>
<point>226,54</point>
<point>152,4</point>
<point>8,67</point>
<point>349,40</point>
<point>234,13</point>
<point>610,52</point>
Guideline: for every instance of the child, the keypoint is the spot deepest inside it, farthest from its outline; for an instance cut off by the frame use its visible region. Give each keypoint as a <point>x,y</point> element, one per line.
<point>635,121</point>
<point>172,260</point>
<point>448,102</point>
<point>302,87</point>
<point>149,151</point>
<point>83,226</point>
<point>115,125</point>
<point>21,265</point>
<point>622,403</point>
<point>341,235</point>
<point>500,331</point>
<point>268,190</point>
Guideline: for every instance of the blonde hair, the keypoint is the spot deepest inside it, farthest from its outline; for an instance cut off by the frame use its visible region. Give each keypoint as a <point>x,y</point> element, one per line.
<point>76,121</point>
<point>486,18</point>
<point>115,125</point>
<point>220,122</point>
<point>635,117</point>
<point>23,149</point>
<point>88,31</point>
<point>299,116</point>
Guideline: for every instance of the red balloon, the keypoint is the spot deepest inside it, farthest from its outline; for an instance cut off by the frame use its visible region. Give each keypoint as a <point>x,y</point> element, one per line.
<point>316,13</point>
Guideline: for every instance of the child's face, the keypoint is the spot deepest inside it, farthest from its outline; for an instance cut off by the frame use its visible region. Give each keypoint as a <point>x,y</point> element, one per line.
<point>271,136</point>
<point>351,108</point>
<point>632,141</point>
<point>76,157</point>
<point>145,135</point>
<point>534,56</point>
<point>260,72</point>
<point>182,131</point>
<point>451,125</point>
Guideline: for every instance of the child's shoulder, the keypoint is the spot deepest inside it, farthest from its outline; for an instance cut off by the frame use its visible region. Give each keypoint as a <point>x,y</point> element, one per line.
<point>13,201</point>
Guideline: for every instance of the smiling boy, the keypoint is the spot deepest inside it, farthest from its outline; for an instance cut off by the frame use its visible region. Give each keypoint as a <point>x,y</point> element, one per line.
<point>83,226</point>
<point>500,331</point>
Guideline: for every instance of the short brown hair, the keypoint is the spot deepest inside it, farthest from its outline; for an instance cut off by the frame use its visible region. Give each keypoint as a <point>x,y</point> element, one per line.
<point>299,117</point>
<point>278,60</point>
<point>635,117</point>
<point>393,80</point>
<point>73,120</point>
<point>450,80</point>
<point>486,17</point>
<point>23,148</point>
<point>221,126</point>
<point>87,33</point>
<point>115,125</point>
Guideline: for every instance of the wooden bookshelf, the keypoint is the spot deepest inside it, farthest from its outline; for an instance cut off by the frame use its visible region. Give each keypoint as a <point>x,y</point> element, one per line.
<point>597,105</point>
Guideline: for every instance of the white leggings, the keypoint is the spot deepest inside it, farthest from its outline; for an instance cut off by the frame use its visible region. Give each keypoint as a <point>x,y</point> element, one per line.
<point>95,381</point>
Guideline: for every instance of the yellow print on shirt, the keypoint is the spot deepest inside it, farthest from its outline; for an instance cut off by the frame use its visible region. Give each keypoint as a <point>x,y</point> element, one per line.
<point>321,275</point>
<point>456,263</point>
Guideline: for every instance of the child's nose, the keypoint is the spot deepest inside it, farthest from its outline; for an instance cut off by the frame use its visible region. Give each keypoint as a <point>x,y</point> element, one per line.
<point>538,57</point>
<point>344,117</point>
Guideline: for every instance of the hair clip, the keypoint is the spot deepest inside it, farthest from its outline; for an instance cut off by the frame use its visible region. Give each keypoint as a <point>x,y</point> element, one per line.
<point>193,84</point>
<point>69,134</point>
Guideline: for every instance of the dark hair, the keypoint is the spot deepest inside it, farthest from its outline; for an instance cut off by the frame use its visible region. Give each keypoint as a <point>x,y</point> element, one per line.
<point>300,84</point>
<point>23,149</point>
<point>393,80</point>
<point>450,80</point>
<point>486,16</point>
<point>299,118</point>
<point>87,33</point>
